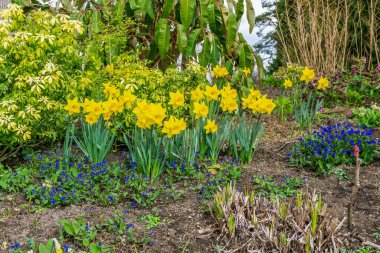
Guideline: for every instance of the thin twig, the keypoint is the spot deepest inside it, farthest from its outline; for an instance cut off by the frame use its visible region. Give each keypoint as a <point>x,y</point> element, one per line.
<point>283,145</point>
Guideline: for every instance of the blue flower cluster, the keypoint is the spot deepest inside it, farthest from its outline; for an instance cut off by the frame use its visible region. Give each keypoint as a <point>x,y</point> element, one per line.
<point>333,145</point>
<point>49,180</point>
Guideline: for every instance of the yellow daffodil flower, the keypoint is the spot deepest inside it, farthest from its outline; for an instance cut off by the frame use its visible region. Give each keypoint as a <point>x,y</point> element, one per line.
<point>227,91</point>
<point>323,83</point>
<point>307,75</point>
<point>73,106</point>
<point>200,110</point>
<point>177,99</point>
<point>211,127</point>
<point>219,72</point>
<point>173,126</point>
<point>156,113</point>
<point>246,72</point>
<point>228,104</point>
<point>197,94</point>
<point>211,93</point>
<point>288,83</point>
<point>91,118</point>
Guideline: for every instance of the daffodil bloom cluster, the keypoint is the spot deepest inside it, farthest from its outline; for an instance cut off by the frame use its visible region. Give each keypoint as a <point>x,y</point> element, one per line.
<point>149,114</point>
<point>164,116</point>
<point>258,103</point>
<point>115,104</point>
<point>228,99</point>
<point>219,72</point>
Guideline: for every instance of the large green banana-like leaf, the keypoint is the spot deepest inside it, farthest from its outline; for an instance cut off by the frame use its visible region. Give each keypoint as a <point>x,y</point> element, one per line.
<point>245,56</point>
<point>192,42</point>
<point>211,17</point>
<point>96,22</point>
<point>215,52</point>
<point>204,12</point>
<point>230,4</point>
<point>204,56</point>
<point>245,53</point>
<point>224,14</point>
<point>231,30</point>
<point>133,4</point>
<point>162,36</point>
<point>260,67</point>
<point>167,8</point>
<point>239,7</point>
<point>146,6</point>
<point>250,15</point>
<point>187,9</point>
<point>181,38</point>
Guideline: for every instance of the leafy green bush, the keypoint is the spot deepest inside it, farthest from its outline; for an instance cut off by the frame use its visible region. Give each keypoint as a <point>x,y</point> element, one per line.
<point>369,117</point>
<point>284,107</point>
<point>39,58</point>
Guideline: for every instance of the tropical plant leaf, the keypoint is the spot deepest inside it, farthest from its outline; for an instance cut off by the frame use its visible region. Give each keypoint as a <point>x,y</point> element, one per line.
<point>239,10</point>
<point>224,14</point>
<point>96,22</point>
<point>245,57</point>
<point>192,42</point>
<point>260,67</point>
<point>146,6</point>
<point>204,56</point>
<point>230,4</point>
<point>211,17</point>
<point>181,38</point>
<point>215,52</point>
<point>162,37</point>
<point>187,9</point>
<point>231,30</point>
<point>204,13</point>
<point>167,8</point>
<point>250,15</point>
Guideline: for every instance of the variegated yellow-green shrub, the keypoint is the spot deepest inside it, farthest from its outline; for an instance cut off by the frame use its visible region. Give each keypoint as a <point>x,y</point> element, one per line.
<point>39,56</point>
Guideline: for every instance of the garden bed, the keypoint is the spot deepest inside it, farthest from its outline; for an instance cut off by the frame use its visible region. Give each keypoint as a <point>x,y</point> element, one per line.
<point>186,225</point>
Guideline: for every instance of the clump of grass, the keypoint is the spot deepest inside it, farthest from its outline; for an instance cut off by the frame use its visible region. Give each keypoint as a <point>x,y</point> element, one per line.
<point>299,224</point>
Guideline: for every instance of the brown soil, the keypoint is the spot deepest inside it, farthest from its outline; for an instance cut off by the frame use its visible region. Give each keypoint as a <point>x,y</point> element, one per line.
<point>186,226</point>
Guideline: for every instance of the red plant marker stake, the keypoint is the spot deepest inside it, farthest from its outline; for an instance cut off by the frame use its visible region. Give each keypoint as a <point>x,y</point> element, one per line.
<point>356,187</point>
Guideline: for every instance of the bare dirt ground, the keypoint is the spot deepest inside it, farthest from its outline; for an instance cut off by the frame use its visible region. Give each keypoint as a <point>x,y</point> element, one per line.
<point>186,227</point>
